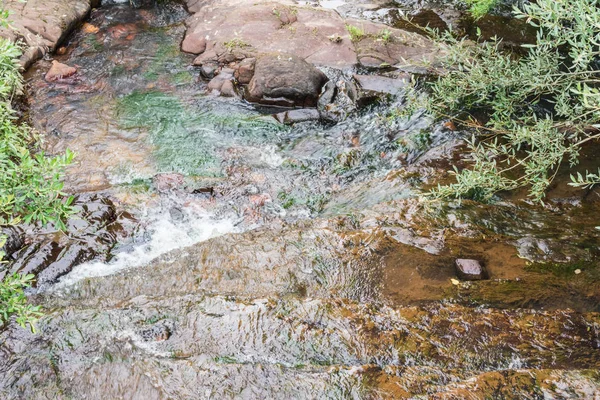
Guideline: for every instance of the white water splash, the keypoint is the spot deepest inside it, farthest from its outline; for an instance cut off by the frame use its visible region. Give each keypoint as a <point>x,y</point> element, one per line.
<point>270,156</point>
<point>162,233</point>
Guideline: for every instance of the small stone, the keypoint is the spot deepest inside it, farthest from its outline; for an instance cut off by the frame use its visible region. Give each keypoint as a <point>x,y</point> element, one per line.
<point>245,71</point>
<point>470,270</point>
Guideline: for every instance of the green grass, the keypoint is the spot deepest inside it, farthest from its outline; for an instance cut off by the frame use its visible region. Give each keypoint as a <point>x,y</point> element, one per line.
<point>356,33</point>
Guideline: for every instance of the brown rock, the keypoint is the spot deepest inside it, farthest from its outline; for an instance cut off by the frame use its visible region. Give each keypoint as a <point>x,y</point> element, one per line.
<point>59,71</point>
<point>253,28</point>
<point>193,44</point>
<point>285,81</point>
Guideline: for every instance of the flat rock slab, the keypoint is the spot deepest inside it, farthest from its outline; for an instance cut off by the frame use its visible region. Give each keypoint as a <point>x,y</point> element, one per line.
<point>470,270</point>
<point>42,24</point>
<point>301,115</point>
<point>236,29</point>
<point>376,84</point>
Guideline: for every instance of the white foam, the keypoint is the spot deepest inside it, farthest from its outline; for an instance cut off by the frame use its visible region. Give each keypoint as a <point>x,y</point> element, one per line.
<point>162,234</point>
<point>271,157</point>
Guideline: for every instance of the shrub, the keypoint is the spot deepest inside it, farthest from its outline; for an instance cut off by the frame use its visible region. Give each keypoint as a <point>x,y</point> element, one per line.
<point>14,302</point>
<point>30,183</point>
<point>529,114</point>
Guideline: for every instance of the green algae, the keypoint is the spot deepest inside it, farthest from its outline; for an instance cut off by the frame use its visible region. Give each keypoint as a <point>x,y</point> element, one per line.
<point>183,139</point>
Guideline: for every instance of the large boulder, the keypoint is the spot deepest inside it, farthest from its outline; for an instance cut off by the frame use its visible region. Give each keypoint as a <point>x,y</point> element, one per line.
<point>287,81</point>
<point>234,30</point>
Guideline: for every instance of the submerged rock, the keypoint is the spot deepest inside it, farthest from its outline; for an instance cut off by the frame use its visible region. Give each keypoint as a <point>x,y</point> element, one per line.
<point>285,81</point>
<point>293,116</point>
<point>14,237</point>
<point>470,270</point>
<point>59,71</point>
<point>375,85</point>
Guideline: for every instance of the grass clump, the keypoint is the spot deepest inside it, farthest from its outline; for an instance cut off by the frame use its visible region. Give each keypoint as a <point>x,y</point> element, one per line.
<point>356,34</point>
<point>529,114</point>
<point>235,43</point>
<point>479,8</point>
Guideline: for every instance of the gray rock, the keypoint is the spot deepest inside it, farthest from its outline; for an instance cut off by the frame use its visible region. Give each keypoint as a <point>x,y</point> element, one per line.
<point>285,81</point>
<point>470,270</point>
<point>292,116</point>
<point>327,95</point>
<point>376,85</point>
<point>209,69</point>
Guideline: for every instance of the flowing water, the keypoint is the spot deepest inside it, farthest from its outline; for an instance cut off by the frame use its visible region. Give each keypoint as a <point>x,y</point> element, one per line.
<point>268,261</point>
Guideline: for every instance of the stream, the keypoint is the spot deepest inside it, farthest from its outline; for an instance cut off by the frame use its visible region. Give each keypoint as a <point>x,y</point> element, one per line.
<point>249,259</point>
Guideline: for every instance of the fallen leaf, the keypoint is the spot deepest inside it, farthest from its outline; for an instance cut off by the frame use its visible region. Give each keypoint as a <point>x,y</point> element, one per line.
<point>89,28</point>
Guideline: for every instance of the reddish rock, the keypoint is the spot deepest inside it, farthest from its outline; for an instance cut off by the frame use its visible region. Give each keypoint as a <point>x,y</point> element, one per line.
<point>228,89</point>
<point>193,44</point>
<point>42,24</point>
<point>59,71</point>
<point>235,28</point>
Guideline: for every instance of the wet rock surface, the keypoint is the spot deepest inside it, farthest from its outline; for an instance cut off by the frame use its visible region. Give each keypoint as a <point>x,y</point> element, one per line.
<point>59,72</point>
<point>238,257</point>
<point>91,232</point>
